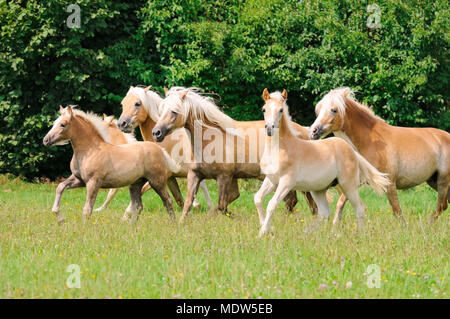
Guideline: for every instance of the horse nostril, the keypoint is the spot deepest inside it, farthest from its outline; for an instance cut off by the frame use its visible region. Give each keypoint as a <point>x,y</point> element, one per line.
<point>265,126</point>
<point>122,124</point>
<point>157,133</point>
<point>273,125</point>
<point>315,130</point>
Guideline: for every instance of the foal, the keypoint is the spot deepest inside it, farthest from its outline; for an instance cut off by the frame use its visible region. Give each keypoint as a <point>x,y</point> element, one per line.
<point>98,164</point>
<point>292,163</point>
<point>117,137</point>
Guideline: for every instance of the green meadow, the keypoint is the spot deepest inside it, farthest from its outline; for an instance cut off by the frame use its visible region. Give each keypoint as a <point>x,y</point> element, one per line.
<point>217,256</point>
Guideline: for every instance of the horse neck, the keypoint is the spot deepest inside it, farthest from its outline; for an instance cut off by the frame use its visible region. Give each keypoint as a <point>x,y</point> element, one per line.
<point>284,129</point>
<point>116,136</point>
<point>146,129</point>
<point>358,125</point>
<point>84,137</point>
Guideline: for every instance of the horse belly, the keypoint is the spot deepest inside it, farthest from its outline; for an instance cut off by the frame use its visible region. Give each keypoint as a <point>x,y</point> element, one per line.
<point>121,175</point>
<point>413,176</point>
<point>315,180</point>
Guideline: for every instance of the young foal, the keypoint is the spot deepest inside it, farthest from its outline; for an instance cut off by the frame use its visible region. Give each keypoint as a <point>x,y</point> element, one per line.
<point>98,164</point>
<point>293,163</point>
<point>410,156</point>
<point>117,137</point>
<point>140,106</point>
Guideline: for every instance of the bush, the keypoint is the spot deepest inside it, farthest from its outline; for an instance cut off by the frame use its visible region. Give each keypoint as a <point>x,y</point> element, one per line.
<point>233,48</point>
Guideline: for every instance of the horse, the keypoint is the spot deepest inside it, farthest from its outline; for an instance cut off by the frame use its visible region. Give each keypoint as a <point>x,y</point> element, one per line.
<point>292,163</point>
<point>117,137</point>
<point>185,107</point>
<point>140,107</point>
<point>410,156</point>
<point>99,164</point>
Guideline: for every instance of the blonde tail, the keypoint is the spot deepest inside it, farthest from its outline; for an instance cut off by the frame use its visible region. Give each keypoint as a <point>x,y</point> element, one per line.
<point>173,166</point>
<point>369,174</point>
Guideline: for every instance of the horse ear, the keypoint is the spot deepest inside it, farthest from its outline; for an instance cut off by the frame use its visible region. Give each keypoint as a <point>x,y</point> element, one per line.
<point>183,94</point>
<point>104,116</point>
<point>165,91</point>
<point>131,87</point>
<point>61,109</point>
<point>284,95</point>
<point>147,88</point>
<point>266,95</point>
<point>69,109</point>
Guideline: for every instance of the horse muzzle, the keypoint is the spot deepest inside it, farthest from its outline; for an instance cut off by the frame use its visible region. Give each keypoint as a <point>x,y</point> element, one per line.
<point>159,133</point>
<point>269,129</point>
<point>316,132</point>
<point>125,124</point>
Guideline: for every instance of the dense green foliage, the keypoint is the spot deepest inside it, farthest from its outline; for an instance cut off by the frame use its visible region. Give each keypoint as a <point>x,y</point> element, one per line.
<point>233,48</point>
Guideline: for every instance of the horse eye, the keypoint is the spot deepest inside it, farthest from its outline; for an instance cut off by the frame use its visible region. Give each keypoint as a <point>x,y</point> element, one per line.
<point>264,110</point>
<point>281,110</point>
<point>63,124</point>
<point>174,113</point>
<point>334,111</point>
<point>137,104</point>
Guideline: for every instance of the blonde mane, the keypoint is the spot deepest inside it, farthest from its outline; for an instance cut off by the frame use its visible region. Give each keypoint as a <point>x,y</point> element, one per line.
<point>340,97</point>
<point>201,108</point>
<point>96,121</point>
<point>287,117</point>
<point>151,101</point>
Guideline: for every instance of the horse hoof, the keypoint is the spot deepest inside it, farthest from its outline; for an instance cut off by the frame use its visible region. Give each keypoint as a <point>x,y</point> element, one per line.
<point>61,221</point>
<point>98,209</point>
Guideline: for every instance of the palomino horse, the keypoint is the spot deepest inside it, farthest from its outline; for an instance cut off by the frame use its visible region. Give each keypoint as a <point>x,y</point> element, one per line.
<point>410,156</point>
<point>99,164</point>
<point>292,163</point>
<point>117,137</point>
<point>140,107</point>
<point>186,108</point>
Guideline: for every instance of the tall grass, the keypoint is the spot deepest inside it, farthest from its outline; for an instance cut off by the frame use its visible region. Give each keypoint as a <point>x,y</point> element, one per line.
<point>219,256</point>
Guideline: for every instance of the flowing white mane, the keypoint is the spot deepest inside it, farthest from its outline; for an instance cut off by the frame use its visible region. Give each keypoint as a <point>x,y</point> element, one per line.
<point>338,98</point>
<point>201,108</point>
<point>97,122</point>
<point>279,97</point>
<point>150,100</point>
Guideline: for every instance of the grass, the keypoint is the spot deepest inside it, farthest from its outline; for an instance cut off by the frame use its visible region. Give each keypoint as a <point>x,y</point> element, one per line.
<point>217,257</point>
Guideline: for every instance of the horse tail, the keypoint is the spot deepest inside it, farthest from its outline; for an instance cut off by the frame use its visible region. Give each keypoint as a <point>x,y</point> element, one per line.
<point>173,166</point>
<point>369,174</point>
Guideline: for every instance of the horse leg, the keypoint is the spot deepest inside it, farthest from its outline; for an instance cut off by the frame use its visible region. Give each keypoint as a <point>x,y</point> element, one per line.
<point>135,208</point>
<point>351,193</point>
<point>233,190</point>
<point>175,190</point>
<point>145,188</point>
<point>442,189</point>
<point>161,189</point>
<point>92,188</point>
<point>284,186</point>
<point>266,188</point>
<point>204,189</point>
<point>193,182</point>
<point>112,192</point>
<point>311,203</point>
<point>71,182</point>
<point>223,186</point>
<point>392,196</point>
<point>290,201</point>
<point>323,209</point>
<point>339,207</point>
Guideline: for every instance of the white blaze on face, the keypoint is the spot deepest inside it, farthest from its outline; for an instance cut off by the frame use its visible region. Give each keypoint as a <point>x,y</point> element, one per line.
<point>272,120</point>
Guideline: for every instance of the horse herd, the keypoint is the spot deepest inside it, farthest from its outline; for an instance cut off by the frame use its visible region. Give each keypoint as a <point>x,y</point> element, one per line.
<point>186,135</point>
